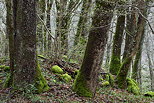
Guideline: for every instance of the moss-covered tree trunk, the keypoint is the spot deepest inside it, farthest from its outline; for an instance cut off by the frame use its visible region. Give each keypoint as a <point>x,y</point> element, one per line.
<point>86,81</point>
<point>133,37</point>
<point>9,29</point>
<point>82,24</point>
<point>26,70</point>
<point>116,50</point>
<point>141,27</point>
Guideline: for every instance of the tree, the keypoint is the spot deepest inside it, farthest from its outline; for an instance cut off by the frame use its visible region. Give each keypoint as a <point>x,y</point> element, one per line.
<point>82,24</point>
<point>131,43</point>
<point>64,14</point>
<point>150,63</point>
<point>117,42</point>
<point>86,80</point>
<point>26,69</point>
<point>9,29</point>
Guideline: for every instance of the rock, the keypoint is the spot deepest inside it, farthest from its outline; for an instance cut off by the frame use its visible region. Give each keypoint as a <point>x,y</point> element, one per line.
<point>56,69</point>
<point>66,77</point>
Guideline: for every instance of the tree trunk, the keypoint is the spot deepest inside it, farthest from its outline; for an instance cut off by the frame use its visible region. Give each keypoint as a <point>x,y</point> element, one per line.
<point>150,67</point>
<point>26,70</point>
<point>9,29</point>
<point>117,42</point>
<point>82,24</point>
<point>131,44</point>
<point>86,81</point>
<point>135,70</point>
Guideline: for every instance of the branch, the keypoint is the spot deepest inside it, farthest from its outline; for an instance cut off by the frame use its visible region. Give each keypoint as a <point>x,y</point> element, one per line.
<point>145,19</point>
<point>45,27</point>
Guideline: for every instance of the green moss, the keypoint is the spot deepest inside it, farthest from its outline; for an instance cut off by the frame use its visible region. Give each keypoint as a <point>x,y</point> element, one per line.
<point>109,78</point>
<point>122,74</point>
<point>149,94</point>
<point>56,69</point>
<point>132,86</point>
<point>76,72</point>
<point>7,68</point>
<point>101,79</point>
<point>64,57</point>
<point>66,77</point>
<point>80,86</point>
<point>41,56</point>
<point>2,66</point>
<point>115,65</point>
<point>40,83</point>
<point>106,83</point>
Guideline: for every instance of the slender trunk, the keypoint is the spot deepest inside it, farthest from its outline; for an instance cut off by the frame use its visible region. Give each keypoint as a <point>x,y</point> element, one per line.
<point>82,24</point>
<point>63,23</point>
<point>150,69</point>
<point>10,33</point>
<point>117,42</point>
<point>131,44</point>
<point>135,71</point>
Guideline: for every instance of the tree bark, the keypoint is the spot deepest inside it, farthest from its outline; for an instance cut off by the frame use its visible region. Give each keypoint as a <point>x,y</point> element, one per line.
<point>86,81</point>
<point>10,33</point>
<point>133,37</point>
<point>117,42</point>
<point>26,70</point>
<point>151,71</point>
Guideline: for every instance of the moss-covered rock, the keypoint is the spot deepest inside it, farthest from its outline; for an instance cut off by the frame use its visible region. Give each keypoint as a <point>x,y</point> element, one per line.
<point>132,86</point>
<point>149,94</point>
<point>56,69</point>
<point>40,82</point>
<point>66,77</point>
<point>80,86</point>
<point>106,83</point>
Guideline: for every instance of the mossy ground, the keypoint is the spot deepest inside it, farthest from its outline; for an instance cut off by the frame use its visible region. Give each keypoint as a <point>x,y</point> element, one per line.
<point>61,92</point>
<point>40,82</point>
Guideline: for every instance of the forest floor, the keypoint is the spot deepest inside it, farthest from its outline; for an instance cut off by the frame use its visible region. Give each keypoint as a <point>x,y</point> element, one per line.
<point>61,92</point>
